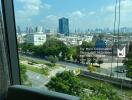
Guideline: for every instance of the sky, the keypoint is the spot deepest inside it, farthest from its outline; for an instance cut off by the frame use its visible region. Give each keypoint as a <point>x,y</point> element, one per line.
<point>82,14</point>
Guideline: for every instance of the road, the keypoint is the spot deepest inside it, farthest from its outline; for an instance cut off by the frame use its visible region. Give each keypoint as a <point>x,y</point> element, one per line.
<point>37,80</point>
<point>105,67</point>
<point>66,64</point>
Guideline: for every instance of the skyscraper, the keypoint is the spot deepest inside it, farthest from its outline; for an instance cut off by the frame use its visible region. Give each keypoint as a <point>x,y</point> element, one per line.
<point>39,29</point>
<point>64,26</point>
<point>29,30</point>
<point>18,30</point>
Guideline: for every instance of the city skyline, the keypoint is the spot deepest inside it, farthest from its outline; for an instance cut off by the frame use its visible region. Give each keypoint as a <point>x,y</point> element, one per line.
<point>31,29</point>
<point>82,15</point>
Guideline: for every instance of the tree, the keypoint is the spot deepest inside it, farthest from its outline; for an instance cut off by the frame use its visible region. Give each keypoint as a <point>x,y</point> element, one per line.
<point>128,63</point>
<point>54,47</point>
<point>65,82</point>
<point>85,59</point>
<point>101,36</point>
<point>100,61</point>
<point>26,47</point>
<point>125,62</point>
<point>92,59</point>
<point>71,52</point>
<point>23,70</point>
<point>53,60</point>
<point>38,51</point>
<point>91,68</point>
<point>88,44</point>
<point>45,71</point>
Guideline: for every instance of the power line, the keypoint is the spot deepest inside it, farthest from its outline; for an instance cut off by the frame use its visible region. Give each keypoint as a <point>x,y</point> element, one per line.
<point>119,13</point>
<point>114,31</point>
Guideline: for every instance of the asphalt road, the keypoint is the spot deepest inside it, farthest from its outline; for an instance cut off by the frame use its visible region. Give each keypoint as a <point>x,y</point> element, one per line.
<point>37,80</point>
<point>105,67</point>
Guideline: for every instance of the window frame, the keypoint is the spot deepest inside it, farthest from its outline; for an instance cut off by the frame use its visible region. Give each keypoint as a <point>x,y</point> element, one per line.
<point>11,41</point>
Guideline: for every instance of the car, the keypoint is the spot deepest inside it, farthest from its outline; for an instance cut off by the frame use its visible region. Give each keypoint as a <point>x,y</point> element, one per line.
<point>119,71</point>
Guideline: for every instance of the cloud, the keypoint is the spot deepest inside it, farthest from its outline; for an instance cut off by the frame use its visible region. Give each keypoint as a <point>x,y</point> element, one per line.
<point>80,19</point>
<point>47,6</point>
<point>126,7</point>
<point>81,14</point>
<point>50,21</point>
<point>29,9</point>
<point>110,8</point>
<point>35,2</point>
<point>126,10</point>
<point>52,17</point>
<point>77,14</point>
<point>91,13</point>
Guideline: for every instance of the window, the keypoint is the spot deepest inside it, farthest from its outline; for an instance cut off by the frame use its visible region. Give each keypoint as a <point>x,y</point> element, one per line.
<point>81,48</point>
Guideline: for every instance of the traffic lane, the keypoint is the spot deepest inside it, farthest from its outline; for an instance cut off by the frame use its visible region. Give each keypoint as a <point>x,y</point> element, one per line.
<point>37,80</point>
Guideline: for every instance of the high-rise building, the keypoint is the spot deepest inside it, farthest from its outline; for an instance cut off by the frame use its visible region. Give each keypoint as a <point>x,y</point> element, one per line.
<point>18,30</point>
<point>47,31</point>
<point>39,29</point>
<point>29,30</point>
<point>26,30</point>
<point>64,26</point>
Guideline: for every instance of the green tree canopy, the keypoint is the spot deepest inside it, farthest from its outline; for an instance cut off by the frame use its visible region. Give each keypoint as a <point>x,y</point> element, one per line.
<point>88,44</point>
<point>128,63</point>
<point>26,47</point>
<point>54,47</point>
<point>52,59</point>
<point>65,82</point>
<point>71,52</point>
<point>100,61</point>
<point>92,59</point>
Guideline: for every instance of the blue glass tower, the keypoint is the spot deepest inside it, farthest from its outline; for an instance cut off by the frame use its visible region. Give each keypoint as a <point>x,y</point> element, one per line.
<point>64,26</point>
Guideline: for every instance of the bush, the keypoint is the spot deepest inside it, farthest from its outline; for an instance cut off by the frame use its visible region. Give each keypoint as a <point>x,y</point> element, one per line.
<point>45,71</point>
<point>91,68</point>
<point>53,60</point>
<point>23,70</point>
<point>48,64</point>
<point>67,82</point>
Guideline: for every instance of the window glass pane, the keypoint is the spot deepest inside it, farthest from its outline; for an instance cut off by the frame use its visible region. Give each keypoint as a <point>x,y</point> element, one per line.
<point>77,47</point>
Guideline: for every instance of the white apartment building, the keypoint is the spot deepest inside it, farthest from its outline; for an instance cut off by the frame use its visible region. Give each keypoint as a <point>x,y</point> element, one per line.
<point>87,38</point>
<point>75,40</point>
<point>36,39</point>
<point>21,38</point>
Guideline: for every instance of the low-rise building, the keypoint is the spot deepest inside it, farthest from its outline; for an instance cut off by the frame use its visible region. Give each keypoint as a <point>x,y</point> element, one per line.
<point>21,38</point>
<point>75,40</point>
<point>36,39</point>
<point>100,44</point>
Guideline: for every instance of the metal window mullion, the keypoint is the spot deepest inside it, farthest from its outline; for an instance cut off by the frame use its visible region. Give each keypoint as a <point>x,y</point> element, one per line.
<point>11,41</point>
